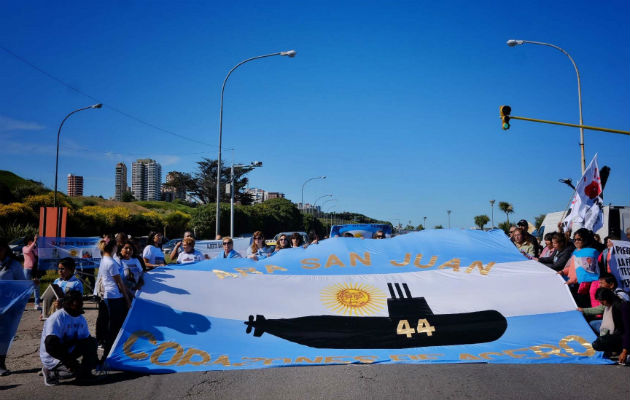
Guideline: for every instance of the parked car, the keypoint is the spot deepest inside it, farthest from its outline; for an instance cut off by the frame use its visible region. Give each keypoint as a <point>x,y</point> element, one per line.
<point>16,246</point>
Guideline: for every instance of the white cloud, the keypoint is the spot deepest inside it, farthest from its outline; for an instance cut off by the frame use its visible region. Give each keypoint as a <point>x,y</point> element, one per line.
<point>10,125</point>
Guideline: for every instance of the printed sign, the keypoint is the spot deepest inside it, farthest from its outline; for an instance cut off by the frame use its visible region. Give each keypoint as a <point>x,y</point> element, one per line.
<point>620,263</point>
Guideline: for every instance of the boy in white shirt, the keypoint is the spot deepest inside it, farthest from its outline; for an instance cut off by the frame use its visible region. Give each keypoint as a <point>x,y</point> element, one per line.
<point>65,339</point>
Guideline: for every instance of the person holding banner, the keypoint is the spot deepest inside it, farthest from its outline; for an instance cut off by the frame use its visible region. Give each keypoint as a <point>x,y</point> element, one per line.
<point>614,332</point>
<point>189,255</point>
<point>153,254</point>
<point>283,243</point>
<point>10,269</point>
<point>67,282</point>
<point>65,339</point>
<point>582,268</point>
<point>111,289</point>
<point>228,249</point>
<point>258,250</point>
<point>177,250</point>
<point>561,255</point>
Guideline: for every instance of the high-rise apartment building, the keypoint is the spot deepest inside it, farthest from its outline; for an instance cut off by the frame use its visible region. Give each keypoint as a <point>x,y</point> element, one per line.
<point>75,185</point>
<point>146,179</point>
<point>121,181</point>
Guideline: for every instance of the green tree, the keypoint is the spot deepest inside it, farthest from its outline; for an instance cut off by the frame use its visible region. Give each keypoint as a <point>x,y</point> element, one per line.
<point>438,227</point>
<point>314,224</point>
<point>505,226</point>
<point>204,182</point>
<point>176,223</point>
<point>481,220</point>
<point>127,197</point>
<point>507,208</point>
<point>539,220</point>
<point>420,227</point>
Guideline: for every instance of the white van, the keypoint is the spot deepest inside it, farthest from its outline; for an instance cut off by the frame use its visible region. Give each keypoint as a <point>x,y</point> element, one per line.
<point>616,221</point>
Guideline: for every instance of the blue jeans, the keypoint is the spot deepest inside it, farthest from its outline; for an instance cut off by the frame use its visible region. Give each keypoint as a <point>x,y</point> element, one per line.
<point>595,325</point>
<point>28,274</point>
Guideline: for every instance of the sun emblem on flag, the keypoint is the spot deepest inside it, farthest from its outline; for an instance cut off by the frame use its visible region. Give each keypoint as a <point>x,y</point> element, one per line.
<point>353,298</point>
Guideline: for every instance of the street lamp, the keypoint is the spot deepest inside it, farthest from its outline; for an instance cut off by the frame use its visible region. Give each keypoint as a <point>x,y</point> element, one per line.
<point>513,43</point>
<point>290,54</point>
<point>425,222</point>
<point>492,207</point>
<point>99,105</point>
<point>449,218</point>
<point>307,181</point>
<point>320,197</point>
<point>568,182</point>
<point>254,164</point>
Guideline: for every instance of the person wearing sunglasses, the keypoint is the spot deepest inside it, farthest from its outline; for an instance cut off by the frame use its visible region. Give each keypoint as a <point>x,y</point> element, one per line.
<point>379,235</point>
<point>283,243</point>
<point>228,249</point>
<point>258,250</point>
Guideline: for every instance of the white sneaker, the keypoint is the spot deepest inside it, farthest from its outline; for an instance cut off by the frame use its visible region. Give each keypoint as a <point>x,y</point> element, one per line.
<point>51,378</point>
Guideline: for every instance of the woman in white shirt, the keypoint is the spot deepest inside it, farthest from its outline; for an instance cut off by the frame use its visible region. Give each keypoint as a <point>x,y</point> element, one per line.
<point>153,254</point>
<point>112,291</point>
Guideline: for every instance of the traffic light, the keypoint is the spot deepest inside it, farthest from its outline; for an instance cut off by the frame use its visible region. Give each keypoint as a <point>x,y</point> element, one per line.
<point>505,116</point>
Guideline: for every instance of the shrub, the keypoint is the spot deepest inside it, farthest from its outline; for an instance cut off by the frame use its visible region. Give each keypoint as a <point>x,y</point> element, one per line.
<point>17,214</point>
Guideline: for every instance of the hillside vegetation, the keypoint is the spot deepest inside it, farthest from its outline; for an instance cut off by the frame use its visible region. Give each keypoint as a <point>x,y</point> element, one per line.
<point>93,216</point>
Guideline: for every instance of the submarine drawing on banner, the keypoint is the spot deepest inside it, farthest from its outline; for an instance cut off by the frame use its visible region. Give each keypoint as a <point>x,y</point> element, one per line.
<point>410,323</point>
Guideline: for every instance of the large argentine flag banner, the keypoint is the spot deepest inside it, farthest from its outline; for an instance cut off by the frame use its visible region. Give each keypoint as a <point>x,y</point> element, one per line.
<point>426,297</point>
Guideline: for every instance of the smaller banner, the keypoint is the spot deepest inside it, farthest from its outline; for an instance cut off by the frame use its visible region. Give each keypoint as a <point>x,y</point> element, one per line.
<point>365,231</point>
<point>212,248</point>
<point>620,263</point>
<point>587,205</point>
<point>13,298</point>
<point>84,250</point>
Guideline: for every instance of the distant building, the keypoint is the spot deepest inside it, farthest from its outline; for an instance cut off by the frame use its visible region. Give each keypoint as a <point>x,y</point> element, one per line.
<point>274,195</point>
<point>260,195</point>
<point>121,181</point>
<point>171,193</point>
<point>75,185</point>
<point>146,179</point>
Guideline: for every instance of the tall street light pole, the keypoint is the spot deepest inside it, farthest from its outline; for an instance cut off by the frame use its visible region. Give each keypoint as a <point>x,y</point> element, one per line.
<point>492,211</point>
<point>513,43</point>
<point>99,105</point>
<point>304,184</point>
<point>319,198</point>
<point>290,53</point>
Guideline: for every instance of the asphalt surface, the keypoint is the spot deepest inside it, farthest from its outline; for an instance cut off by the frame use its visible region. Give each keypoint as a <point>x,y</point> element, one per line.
<point>401,381</point>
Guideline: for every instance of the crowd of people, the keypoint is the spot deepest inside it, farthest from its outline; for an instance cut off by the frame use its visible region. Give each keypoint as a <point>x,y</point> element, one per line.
<point>66,339</point>
<point>584,262</point>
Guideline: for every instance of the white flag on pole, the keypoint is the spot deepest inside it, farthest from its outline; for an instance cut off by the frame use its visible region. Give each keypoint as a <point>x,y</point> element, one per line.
<point>586,208</point>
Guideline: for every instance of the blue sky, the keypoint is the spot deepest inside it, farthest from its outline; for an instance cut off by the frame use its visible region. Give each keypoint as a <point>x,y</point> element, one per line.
<point>395,102</point>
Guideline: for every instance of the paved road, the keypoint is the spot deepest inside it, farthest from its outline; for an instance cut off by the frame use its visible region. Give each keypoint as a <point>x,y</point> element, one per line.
<point>445,381</point>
